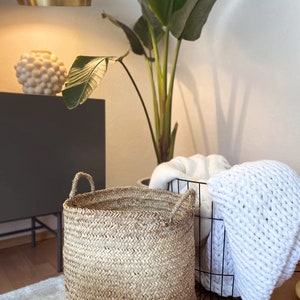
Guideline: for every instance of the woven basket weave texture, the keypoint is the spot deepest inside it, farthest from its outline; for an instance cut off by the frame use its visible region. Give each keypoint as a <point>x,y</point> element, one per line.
<point>129,243</point>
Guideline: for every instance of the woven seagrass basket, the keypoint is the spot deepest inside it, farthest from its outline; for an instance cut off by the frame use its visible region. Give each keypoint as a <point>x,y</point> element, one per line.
<point>129,243</point>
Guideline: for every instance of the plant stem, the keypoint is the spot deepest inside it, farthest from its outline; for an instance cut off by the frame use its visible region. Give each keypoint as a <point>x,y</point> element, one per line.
<point>144,108</point>
<point>170,95</point>
<point>154,96</point>
<point>159,74</point>
<point>166,121</point>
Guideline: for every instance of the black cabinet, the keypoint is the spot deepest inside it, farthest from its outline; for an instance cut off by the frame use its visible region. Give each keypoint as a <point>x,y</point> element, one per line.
<point>42,146</point>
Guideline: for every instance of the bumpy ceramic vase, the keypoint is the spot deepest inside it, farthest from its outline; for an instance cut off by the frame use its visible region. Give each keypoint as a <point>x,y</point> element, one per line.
<point>40,72</point>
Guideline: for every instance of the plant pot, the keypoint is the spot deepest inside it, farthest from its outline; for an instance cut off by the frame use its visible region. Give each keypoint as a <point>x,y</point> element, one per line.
<point>143,182</point>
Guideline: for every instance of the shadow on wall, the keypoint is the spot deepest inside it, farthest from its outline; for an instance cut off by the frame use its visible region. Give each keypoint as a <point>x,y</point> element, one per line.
<point>190,83</point>
<point>256,43</point>
<point>251,72</point>
<point>229,115</point>
<point>231,124</point>
<point>230,111</point>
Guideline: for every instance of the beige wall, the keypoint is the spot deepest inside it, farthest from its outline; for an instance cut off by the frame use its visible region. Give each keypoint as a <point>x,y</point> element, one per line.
<point>237,91</point>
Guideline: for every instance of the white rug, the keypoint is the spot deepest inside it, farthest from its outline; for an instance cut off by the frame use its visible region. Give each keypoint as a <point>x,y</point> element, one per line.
<point>49,289</point>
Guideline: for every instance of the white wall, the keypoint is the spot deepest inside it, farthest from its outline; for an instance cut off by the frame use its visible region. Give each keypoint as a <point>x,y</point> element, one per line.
<point>237,89</point>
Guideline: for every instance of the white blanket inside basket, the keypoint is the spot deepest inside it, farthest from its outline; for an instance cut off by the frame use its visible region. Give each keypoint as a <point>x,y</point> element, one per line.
<point>260,205</point>
<point>194,168</point>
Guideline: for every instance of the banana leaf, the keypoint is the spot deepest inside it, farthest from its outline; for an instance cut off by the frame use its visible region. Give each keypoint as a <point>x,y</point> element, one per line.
<point>84,76</point>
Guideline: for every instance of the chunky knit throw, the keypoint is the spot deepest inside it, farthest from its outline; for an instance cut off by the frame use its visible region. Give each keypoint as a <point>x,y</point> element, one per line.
<point>260,205</point>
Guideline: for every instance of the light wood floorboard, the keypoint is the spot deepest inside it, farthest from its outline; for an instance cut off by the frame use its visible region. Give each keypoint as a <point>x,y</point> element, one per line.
<point>23,265</point>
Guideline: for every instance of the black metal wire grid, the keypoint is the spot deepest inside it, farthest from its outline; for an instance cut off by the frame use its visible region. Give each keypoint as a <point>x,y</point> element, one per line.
<point>207,293</point>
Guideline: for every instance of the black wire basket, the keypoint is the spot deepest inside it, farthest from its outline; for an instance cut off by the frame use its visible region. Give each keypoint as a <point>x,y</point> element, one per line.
<point>214,267</point>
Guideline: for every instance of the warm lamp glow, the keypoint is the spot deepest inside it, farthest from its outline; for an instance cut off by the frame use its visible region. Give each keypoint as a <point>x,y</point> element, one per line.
<point>55,2</point>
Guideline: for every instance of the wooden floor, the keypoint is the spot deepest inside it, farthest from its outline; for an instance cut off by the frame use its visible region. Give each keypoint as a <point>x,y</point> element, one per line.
<point>23,265</point>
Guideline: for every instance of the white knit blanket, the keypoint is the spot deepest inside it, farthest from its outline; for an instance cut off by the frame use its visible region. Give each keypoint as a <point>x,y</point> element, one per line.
<point>260,204</point>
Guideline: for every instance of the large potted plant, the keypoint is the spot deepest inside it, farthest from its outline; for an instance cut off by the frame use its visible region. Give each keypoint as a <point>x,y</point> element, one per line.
<point>161,20</point>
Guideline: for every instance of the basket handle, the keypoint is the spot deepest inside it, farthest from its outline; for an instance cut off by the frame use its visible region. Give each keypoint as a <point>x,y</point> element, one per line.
<point>75,182</point>
<point>187,196</point>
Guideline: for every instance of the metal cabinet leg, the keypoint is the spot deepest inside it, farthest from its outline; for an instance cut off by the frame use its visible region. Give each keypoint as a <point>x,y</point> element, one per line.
<point>33,228</point>
<point>59,243</point>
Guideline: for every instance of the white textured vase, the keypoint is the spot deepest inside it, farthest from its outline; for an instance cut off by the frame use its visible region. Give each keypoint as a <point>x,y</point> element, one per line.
<point>41,72</point>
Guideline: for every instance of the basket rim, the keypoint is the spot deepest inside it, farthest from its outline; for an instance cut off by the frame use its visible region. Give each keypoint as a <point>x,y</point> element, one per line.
<point>138,191</point>
<point>117,193</point>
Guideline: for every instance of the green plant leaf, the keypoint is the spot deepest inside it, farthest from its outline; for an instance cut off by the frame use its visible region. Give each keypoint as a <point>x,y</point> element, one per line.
<point>141,29</point>
<point>163,9</point>
<point>84,76</point>
<point>134,41</point>
<point>188,21</point>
